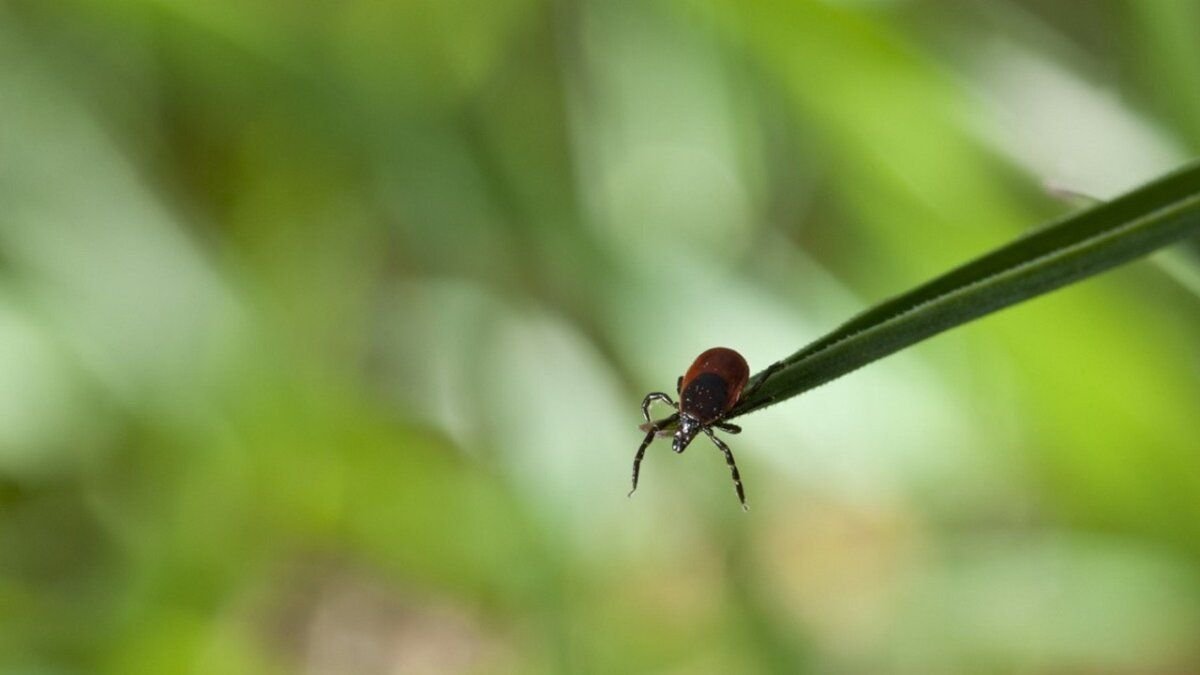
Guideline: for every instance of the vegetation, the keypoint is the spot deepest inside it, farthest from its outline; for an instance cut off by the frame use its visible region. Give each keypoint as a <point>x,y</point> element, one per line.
<point>324,326</point>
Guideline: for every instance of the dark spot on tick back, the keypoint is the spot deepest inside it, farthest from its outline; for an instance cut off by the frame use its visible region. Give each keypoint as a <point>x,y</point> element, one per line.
<point>705,396</point>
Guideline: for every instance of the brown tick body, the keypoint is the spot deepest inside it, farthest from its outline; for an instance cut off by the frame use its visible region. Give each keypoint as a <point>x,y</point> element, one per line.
<point>709,389</point>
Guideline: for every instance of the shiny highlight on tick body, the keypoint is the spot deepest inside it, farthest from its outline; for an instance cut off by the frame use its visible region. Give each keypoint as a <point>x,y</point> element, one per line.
<point>709,389</point>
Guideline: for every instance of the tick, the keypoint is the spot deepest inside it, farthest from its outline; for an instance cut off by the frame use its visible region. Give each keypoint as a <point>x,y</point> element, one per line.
<point>709,389</point>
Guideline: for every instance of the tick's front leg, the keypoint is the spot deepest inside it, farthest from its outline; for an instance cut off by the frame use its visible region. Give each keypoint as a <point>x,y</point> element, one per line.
<point>652,397</point>
<point>637,459</point>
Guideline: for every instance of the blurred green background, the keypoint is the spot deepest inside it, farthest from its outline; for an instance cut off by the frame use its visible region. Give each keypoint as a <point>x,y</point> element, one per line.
<point>324,327</point>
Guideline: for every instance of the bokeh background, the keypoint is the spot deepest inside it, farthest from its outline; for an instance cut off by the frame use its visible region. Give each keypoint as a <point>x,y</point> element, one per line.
<point>324,328</point>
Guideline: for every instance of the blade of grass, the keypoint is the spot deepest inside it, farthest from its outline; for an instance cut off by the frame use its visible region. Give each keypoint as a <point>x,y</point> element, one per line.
<point>1066,251</point>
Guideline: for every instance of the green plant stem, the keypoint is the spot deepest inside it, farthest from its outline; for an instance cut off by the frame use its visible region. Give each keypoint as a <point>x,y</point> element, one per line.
<point>1069,250</point>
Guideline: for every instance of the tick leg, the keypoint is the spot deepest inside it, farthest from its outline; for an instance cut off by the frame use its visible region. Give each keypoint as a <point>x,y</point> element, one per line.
<point>652,397</point>
<point>771,370</point>
<point>661,426</point>
<point>679,386</point>
<point>728,428</point>
<point>637,459</point>
<point>737,479</point>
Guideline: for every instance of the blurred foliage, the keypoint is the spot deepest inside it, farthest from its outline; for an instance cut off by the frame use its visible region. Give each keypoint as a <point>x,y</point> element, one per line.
<point>323,328</point>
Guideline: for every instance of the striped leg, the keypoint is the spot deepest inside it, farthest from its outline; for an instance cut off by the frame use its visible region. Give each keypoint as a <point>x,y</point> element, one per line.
<point>737,479</point>
<point>637,459</point>
<point>652,397</point>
